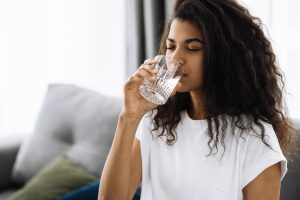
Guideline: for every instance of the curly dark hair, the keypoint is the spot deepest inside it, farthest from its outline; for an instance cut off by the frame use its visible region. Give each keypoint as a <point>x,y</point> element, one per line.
<point>241,77</point>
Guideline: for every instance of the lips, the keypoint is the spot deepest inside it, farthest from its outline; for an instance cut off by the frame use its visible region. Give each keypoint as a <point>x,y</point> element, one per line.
<point>183,76</point>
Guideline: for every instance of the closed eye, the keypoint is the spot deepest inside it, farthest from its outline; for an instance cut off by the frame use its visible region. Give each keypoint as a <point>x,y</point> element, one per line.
<point>170,47</point>
<point>190,49</point>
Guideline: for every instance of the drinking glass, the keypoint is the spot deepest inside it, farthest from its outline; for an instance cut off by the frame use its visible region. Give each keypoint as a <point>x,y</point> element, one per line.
<point>169,73</point>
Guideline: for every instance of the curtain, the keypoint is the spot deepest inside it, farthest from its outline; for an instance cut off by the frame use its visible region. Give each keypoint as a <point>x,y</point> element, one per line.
<point>145,21</point>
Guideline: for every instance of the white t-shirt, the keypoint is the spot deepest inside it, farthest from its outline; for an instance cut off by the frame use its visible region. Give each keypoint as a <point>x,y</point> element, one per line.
<point>183,171</point>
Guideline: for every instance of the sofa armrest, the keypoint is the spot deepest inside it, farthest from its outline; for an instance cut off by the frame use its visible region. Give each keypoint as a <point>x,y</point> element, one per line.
<point>9,147</point>
<point>291,182</point>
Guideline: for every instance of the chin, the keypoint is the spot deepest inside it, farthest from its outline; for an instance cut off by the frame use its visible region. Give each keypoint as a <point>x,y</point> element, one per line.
<point>182,89</point>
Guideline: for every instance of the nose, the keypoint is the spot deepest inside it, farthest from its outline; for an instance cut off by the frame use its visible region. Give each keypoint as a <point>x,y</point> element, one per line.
<point>177,56</point>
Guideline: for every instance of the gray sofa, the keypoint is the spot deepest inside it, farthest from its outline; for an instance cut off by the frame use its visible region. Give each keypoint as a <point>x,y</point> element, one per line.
<point>81,124</point>
<point>73,121</point>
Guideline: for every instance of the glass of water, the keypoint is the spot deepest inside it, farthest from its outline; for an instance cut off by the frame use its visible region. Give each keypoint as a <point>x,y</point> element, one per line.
<point>169,73</point>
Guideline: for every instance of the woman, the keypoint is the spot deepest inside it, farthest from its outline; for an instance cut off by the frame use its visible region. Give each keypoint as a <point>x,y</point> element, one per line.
<point>223,134</point>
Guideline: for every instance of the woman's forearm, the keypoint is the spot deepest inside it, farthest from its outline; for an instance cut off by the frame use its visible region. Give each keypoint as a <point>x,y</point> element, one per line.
<point>116,172</point>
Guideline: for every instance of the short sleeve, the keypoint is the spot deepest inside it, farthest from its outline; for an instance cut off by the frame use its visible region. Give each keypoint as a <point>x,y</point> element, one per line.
<point>259,156</point>
<point>144,126</point>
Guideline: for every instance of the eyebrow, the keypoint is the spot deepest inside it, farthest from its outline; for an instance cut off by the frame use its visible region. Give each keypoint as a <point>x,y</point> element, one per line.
<point>188,40</point>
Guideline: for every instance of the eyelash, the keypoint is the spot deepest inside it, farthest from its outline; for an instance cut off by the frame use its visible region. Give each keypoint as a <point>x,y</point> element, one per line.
<point>170,48</point>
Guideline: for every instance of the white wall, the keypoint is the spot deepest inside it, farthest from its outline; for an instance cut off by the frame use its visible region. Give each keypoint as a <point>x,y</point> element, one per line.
<point>67,41</point>
<point>282,19</point>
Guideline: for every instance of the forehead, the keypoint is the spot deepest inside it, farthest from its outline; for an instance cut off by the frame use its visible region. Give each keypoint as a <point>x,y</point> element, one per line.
<point>184,29</point>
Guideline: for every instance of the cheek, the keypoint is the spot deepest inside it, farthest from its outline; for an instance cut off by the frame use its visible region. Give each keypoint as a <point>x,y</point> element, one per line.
<point>194,80</point>
<point>197,71</point>
<point>197,78</point>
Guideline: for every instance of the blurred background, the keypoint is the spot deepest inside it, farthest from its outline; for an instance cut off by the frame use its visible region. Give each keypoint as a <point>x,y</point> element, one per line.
<point>97,44</point>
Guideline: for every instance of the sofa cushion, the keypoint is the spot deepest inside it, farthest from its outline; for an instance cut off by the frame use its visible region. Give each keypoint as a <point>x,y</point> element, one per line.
<point>56,179</point>
<point>89,191</point>
<point>75,121</point>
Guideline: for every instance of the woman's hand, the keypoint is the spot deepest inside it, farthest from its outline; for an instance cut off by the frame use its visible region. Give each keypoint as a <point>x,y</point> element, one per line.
<point>134,104</point>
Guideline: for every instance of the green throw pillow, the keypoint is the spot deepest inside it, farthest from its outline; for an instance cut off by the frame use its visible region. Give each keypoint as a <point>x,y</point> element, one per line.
<point>56,179</point>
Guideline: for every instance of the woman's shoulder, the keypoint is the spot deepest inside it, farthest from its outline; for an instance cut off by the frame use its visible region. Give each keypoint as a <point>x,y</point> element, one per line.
<point>249,124</point>
<point>245,127</point>
<point>261,133</point>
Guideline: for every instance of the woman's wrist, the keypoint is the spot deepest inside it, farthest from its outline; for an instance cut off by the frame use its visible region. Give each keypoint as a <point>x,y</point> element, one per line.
<point>131,116</point>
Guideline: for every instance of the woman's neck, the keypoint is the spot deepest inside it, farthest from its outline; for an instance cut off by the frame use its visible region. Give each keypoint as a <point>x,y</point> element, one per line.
<point>196,111</point>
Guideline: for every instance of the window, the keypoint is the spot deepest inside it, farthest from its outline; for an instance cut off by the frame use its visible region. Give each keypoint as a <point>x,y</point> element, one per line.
<point>60,41</point>
<point>282,21</point>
